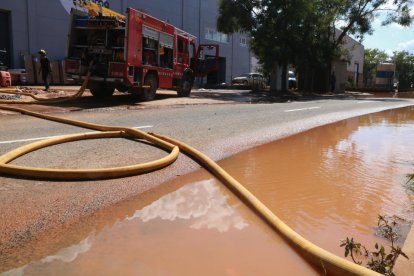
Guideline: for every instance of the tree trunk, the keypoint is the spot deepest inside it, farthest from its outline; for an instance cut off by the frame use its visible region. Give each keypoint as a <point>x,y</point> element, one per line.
<point>284,78</point>
<point>303,74</point>
<point>275,80</point>
<point>312,81</point>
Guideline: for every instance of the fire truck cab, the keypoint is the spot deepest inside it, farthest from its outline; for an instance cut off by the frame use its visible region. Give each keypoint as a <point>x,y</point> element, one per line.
<point>137,53</point>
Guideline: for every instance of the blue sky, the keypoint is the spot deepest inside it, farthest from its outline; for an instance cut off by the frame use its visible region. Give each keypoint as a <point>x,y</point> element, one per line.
<point>390,38</point>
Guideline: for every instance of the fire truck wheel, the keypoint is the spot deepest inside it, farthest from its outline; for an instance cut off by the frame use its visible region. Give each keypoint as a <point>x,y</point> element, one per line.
<point>149,94</point>
<point>101,90</point>
<point>184,89</point>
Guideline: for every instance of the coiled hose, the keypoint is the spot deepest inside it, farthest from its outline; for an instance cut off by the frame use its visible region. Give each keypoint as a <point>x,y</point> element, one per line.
<point>330,263</point>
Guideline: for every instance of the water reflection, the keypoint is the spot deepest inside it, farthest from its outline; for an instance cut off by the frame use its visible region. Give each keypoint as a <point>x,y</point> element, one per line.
<point>201,202</point>
<point>332,182</point>
<point>198,229</point>
<point>67,255</point>
<point>400,95</point>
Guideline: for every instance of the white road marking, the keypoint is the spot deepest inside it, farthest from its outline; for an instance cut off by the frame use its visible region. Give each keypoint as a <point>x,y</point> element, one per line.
<point>364,102</point>
<point>301,109</point>
<point>47,137</point>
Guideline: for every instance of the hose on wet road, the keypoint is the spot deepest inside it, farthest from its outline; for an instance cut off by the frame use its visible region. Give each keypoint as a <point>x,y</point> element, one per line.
<point>328,262</point>
<point>40,100</point>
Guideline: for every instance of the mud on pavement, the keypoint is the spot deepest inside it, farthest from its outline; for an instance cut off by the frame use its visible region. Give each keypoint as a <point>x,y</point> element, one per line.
<point>127,101</point>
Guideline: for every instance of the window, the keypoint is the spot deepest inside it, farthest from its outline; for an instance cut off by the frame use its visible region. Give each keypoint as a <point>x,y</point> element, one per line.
<point>180,45</point>
<point>214,35</point>
<point>243,41</point>
<point>182,55</point>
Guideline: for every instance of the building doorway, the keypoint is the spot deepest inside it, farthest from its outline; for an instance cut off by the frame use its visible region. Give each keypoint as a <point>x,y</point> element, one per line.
<point>5,38</point>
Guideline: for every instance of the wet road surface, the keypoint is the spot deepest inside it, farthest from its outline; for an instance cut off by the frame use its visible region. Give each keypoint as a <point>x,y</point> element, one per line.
<point>327,183</point>
<point>218,130</point>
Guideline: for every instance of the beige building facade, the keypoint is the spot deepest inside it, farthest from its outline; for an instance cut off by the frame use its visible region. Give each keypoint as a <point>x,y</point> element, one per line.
<point>350,67</point>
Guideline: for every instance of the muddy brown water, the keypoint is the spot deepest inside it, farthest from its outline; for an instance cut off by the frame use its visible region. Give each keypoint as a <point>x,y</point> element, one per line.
<point>402,95</point>
<point>327,183</point>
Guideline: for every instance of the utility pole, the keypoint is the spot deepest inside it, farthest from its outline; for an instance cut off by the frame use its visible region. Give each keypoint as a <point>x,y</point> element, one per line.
<point>182,14</point>
<point>200,79</point>
<point>231,61</point>
<point>199,20</point>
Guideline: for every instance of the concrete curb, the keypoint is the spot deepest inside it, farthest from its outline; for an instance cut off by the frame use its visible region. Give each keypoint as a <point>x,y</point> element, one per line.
<point>405,266</point>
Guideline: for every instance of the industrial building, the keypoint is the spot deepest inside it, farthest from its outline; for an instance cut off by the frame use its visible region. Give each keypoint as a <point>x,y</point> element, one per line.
<point>27,26</point>
<point>349,67</point>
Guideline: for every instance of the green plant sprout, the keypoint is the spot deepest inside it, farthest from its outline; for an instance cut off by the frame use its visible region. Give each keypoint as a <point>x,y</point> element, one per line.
<point>410,182</point>
<point>379,260</point>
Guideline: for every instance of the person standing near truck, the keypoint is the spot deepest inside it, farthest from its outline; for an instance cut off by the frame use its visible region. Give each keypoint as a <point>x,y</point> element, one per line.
<point>45,68</point>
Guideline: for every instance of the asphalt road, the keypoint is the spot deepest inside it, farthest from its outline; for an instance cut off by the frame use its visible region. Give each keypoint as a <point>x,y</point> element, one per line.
<point>220,128</point>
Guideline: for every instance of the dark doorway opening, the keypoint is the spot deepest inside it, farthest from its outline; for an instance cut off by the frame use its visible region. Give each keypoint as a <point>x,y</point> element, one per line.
<point>219,76</point>
<point>5,38</point>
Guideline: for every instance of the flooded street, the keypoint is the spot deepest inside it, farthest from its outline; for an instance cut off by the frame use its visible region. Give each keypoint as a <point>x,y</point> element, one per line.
<point>327,183</point>
<point>197,229</point>
<point>332,182</point>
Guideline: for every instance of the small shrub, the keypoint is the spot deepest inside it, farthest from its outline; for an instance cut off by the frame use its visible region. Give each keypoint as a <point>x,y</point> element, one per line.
<point>379,260</point>
<point>410,182</point>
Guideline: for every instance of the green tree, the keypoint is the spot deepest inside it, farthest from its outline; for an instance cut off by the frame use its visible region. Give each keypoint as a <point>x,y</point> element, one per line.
<point>355,17</point>
<point>404,63</point>
<point>273,25</point>
<point>371,59</point>
<point>303,32</point>
<point>317,48</point>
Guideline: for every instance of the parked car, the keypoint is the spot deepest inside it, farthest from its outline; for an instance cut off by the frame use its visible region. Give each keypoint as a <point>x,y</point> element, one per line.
<point>292,80</point>
<point>250,79</point>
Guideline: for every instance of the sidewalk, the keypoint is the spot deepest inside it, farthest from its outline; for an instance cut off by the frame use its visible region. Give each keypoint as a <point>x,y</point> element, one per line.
<point>405,266</point>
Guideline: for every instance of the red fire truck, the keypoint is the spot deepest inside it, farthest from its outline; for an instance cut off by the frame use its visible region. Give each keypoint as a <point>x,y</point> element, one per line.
<point>137,53</point>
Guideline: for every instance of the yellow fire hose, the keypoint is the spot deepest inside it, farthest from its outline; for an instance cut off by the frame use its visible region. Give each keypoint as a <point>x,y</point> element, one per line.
<point>330,263</point>
<point>39,100</point>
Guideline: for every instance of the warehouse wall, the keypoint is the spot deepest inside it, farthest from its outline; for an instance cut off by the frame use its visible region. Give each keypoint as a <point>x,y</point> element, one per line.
<point>45,24</point>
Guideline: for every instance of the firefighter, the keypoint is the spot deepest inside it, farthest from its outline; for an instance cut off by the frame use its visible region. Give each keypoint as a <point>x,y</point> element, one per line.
<point>45,68</point>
